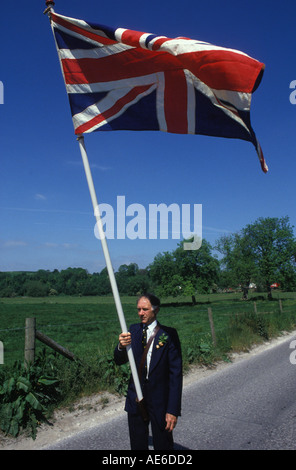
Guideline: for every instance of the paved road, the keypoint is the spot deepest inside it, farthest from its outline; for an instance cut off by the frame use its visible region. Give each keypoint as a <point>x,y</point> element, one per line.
<point>249,405</point>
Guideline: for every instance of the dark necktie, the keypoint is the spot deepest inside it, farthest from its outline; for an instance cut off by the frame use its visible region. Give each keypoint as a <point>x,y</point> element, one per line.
<point>144,336</point>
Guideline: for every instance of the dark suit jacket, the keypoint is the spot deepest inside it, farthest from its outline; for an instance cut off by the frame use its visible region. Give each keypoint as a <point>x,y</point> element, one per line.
<point>162,392</point>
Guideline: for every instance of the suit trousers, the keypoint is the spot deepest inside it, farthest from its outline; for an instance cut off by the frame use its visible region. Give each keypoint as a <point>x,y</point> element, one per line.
<point>139,433</point>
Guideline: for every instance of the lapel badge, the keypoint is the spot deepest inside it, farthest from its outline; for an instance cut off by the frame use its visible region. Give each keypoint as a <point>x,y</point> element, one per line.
<point>162,340</point>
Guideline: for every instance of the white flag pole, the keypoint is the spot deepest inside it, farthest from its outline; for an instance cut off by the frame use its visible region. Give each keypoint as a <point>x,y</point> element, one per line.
<point>108,263</point>
<point>50,5</point>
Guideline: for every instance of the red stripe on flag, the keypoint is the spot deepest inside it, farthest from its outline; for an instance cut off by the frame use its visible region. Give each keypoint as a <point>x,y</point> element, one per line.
<point>156,45</point>
<point>130,96</point>
<point>223,70</point>
<point>175,102</point>
<point>131,37</point>
<point>129,64</point>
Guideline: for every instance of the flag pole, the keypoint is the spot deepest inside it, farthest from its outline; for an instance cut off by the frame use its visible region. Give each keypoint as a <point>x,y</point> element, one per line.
<point>50,4</point>
<point>110,270</point>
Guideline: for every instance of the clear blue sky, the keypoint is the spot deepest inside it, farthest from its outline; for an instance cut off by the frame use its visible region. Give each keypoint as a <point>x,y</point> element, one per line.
<point>46,214</point>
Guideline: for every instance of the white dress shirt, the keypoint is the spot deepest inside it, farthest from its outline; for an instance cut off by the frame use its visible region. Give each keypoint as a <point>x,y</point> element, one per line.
<point>150,330</point>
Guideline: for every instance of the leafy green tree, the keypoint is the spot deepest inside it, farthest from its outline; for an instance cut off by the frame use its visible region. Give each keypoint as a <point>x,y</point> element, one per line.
<point>104,283</point>
<point>274,248</point>
<point>36,289</point>
<point>124,275</point>
<point>263,251</point>
<point>163,273</point>
<point>185,272</point>
<point>238,265</point>
<point>199,269</point>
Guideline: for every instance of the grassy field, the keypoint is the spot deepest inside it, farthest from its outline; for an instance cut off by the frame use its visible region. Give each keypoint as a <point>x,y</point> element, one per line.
<point>89,326</point>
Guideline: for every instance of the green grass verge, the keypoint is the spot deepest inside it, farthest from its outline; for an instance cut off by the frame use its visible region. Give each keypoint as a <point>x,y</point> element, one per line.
<point>89,327</point>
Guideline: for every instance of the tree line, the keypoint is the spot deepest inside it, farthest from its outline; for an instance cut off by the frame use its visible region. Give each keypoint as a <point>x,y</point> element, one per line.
<point>261,254</point>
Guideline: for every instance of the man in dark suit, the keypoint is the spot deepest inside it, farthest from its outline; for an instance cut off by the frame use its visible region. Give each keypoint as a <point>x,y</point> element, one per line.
<point>160,377</point>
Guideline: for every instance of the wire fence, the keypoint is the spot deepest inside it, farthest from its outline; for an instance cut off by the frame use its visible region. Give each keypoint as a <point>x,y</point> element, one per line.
<point>95,336</point>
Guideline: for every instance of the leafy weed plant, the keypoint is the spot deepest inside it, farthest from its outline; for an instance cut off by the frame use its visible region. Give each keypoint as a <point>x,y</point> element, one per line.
<point>25,396</point>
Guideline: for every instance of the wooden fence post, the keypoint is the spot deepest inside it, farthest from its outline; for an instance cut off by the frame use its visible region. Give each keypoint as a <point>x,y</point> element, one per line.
<point>212,327</point>
<point>255,307</point>
<point>281,306</point>
<point>30,340</point>
<point>31,334</point>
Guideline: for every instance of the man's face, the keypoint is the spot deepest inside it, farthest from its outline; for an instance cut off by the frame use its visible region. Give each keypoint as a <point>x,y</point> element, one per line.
<point>145,312</point>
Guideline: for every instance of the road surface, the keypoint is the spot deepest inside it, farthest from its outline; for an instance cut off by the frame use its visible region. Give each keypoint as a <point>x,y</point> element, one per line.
<point>248,405</point>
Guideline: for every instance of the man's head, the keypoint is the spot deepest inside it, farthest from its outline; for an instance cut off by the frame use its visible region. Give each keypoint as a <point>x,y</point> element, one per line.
<point>148,307</point>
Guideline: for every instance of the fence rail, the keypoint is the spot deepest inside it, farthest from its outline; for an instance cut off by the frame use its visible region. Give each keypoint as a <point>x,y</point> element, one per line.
<point>30,340</point>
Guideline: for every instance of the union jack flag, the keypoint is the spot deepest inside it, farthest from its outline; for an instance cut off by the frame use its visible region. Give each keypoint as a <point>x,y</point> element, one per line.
<point>119,79</point>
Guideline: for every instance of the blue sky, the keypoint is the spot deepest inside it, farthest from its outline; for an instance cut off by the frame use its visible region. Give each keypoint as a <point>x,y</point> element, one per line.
<point>46,214</point>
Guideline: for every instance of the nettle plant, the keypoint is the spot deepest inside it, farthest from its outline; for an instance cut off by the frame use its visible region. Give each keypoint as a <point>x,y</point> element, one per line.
<point>26,395</point>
